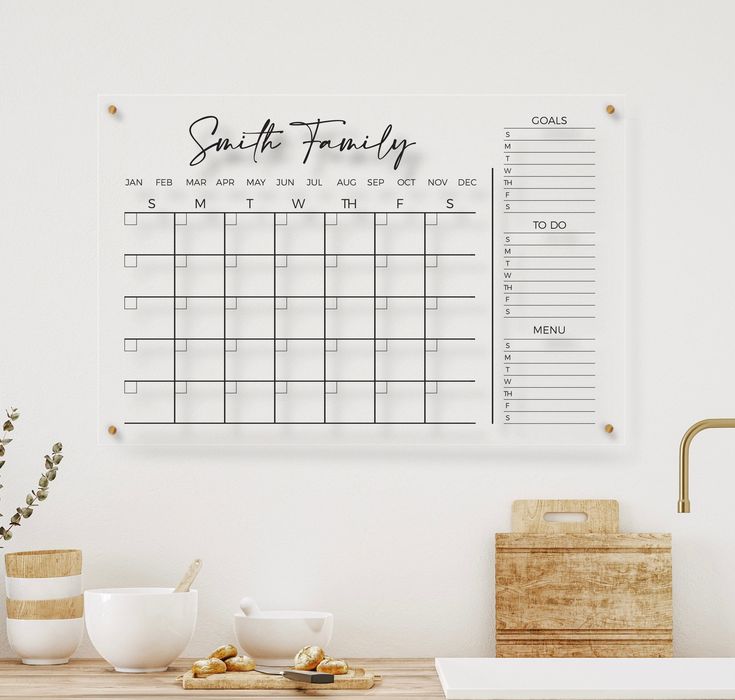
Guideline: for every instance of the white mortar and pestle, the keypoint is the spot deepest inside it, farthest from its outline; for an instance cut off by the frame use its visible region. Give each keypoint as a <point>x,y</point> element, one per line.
<point>272,637</point>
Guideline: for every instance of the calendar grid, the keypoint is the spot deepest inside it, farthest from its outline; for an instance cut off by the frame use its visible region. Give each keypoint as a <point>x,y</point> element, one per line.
<point>275,321</point>
<point>324,314</point>
<point>424,234</point>
<point>282,380</point>
<point>224,320</point>
<point>375,319</point>
<point>173,348</point>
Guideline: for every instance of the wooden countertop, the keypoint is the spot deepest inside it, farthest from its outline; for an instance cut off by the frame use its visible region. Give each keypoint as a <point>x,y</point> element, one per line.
<point>94,678</point>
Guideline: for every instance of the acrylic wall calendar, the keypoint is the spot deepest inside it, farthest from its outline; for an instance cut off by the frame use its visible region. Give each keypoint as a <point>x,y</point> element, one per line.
<point>290,269</point>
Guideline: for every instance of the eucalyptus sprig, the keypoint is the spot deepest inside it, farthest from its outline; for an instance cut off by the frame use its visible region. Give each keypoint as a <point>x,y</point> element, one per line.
<point>8,427</point>
<point>51,467</point>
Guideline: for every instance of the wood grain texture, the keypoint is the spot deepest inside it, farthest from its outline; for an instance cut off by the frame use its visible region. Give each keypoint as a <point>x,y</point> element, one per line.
<point>46,563</point>
<point>581,593</point>
<point>356,679</point>
<point>57,609</point>
<point>401,679</point>
<point>624,541</point>
<point>586,650</point>
<point>528,516</point>
<point>191,573</point>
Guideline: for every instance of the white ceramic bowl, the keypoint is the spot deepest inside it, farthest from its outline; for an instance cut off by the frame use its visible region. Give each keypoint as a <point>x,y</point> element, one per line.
<point>43,588</point>
<point>273,637</point>
<point>140,630</point>
<point>42,642</point>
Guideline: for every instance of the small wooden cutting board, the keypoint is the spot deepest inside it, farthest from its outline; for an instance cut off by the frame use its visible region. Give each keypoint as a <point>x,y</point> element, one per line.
<point>355,679</point>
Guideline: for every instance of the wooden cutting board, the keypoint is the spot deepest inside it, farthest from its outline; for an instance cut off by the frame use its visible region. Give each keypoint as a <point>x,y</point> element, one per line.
<point>356,679</point>
<point>581,589</point>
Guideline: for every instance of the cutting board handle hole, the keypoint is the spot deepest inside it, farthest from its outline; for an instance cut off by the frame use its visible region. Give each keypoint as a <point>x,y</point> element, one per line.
<point>565,517</point>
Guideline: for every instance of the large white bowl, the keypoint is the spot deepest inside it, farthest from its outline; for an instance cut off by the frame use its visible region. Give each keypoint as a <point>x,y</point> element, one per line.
<point>273,637</point>
<point>140,630</point>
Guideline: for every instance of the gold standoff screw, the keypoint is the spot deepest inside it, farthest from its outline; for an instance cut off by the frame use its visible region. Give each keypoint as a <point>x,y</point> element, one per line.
<point>112,109</point>
<point>609,428</point>
<point>610,109</point>
<point>112,430</point>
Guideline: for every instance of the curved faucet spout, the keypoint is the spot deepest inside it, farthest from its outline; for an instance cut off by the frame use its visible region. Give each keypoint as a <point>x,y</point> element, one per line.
<point>683,506</point>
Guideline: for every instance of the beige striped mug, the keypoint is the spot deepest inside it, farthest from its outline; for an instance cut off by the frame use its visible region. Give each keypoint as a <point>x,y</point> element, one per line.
<point>45,604</point>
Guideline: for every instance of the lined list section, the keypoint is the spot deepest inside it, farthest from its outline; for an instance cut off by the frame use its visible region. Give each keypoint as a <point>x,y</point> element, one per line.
<point>548,285</point>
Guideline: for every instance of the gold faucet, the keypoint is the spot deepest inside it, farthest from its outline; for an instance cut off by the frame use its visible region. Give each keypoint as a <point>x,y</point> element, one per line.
<point>683,506</point>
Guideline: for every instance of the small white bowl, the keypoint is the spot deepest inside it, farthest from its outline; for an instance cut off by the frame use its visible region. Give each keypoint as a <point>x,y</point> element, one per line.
<point>140,630</point>
<point>272,637</point>
<point>45,642</point>
<point>43,588</point>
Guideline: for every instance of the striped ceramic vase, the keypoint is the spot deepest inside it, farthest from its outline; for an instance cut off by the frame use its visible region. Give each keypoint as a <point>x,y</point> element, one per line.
<point>45,604</point>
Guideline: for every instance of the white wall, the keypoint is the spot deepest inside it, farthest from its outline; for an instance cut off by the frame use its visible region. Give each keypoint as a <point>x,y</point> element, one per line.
<point>396,542</point>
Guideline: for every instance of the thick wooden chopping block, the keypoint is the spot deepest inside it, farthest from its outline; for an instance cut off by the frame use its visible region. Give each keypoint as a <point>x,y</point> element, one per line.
<point>572,588</point>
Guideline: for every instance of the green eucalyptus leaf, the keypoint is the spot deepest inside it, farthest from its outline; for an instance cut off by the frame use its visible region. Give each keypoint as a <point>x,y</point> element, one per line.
<point>57,458</point>
<point>27,512</point>
<point>48,462</point>
<point>51,474</point>
<point>29,499</point>
<point>57,447</point>
<point>2,449</point>
<point>42,495</point>
<point>7,535</point>
<point>14,415</point>
<point>15,519</point>
<point>6,441</point>
<point>43,481</point>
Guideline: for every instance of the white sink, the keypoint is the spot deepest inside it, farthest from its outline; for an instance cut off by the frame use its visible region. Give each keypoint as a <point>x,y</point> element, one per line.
<point>587,679</point>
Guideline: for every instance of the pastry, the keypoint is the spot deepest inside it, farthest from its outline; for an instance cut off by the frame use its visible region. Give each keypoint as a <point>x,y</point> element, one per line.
<point>308,658</point>
<point>226,651</point>
<point>240,663</point>
<point>337,667</point>
<point>206,667</point>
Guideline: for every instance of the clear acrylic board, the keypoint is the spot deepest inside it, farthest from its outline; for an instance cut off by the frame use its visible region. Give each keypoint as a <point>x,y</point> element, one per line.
<point>358,269</point>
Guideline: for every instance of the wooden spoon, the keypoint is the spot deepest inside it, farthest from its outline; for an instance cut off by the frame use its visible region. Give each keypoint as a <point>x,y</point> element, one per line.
<point>189,576</point>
